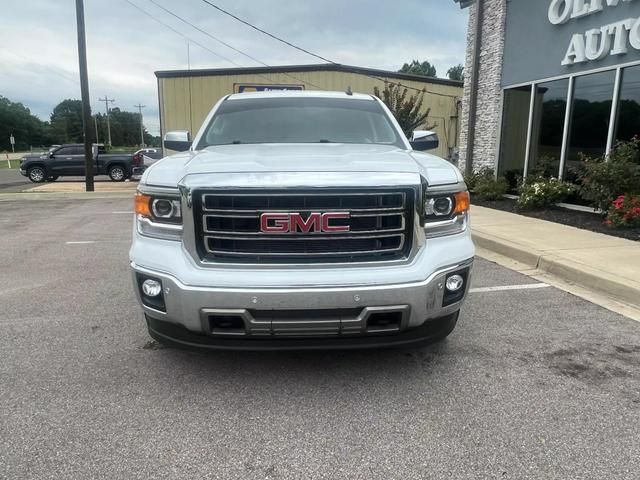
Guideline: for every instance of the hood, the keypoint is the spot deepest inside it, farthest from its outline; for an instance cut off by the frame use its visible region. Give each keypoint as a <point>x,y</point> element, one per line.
<point>321,158</point>
<point>35,155</point>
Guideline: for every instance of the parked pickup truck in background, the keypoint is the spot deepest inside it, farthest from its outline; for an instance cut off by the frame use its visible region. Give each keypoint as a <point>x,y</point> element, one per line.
<point>68,161</point>
<point>301,220</point>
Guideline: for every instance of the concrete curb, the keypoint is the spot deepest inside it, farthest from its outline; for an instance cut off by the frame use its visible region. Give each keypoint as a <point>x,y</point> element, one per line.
<point>562,268</point>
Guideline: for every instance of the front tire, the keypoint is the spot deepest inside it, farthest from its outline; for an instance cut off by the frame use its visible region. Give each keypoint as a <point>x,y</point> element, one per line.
<point>37,174</point>
<point>117,173</point>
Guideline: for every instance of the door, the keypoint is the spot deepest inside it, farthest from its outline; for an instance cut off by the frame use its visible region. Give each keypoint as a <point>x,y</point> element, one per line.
<point>77,161</point>
<point>68,160</point>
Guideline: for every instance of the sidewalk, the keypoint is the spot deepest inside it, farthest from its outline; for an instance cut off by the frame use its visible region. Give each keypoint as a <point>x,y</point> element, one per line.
<point>608,265</point>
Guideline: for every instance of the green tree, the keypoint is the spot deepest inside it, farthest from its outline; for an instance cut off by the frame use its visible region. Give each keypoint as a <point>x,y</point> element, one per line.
<point>151,140</point>
<point>419,68</point>
<point>125,129</point>
<point>66,122</point>
<point>456,73</point>
<point>27,129</point>
<point>406,109</point>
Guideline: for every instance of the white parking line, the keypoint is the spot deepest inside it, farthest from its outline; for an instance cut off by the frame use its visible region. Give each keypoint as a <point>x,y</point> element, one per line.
<point>82,242</point>
<point>527,286</point>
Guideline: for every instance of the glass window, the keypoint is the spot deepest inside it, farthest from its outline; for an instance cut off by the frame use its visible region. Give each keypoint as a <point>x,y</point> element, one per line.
<point>591,112</point>
<point>514,133</point>
<point>628,121</point>
<point>548,124</point>
<point>64,151</point>
<point>300,120</point>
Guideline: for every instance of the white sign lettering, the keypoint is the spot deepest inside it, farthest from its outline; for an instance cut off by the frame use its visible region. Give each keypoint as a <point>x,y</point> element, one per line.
<point>597,43</point>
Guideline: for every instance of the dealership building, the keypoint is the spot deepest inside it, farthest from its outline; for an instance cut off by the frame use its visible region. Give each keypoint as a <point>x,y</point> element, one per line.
<point>187,96</point>
<point>547,80</point>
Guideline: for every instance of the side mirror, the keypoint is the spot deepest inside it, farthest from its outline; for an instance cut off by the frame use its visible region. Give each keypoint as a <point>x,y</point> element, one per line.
<point>424,140</point>
<point>180,140</point>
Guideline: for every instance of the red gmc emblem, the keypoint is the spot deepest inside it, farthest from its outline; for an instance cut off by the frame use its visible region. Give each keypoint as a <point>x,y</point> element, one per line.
<point>316,222</point>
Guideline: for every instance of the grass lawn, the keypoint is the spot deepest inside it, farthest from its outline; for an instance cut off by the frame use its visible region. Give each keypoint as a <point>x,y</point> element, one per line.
<point>14,164</point>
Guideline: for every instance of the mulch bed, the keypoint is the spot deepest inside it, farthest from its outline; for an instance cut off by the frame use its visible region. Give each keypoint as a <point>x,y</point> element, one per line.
<point>583,220</point>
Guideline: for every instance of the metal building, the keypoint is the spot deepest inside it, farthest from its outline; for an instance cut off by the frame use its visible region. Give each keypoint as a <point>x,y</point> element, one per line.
<point>186,96</point>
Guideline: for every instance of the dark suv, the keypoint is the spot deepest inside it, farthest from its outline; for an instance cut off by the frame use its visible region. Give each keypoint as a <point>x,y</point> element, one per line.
<point>68,161</point>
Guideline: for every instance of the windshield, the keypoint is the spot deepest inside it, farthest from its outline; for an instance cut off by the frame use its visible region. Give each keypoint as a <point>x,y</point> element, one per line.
<point>300,120</point>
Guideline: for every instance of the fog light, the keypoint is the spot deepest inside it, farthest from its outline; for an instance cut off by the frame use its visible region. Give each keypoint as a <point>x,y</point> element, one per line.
<point>454,283</point>
<point>151,288</point>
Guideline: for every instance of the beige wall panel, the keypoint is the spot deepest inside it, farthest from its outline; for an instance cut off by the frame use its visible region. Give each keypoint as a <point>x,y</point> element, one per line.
<point>186,101</point>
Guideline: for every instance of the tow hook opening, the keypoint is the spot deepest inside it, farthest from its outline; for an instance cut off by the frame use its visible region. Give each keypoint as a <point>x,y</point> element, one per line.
<point>384,322</point>
<point>227,325</point>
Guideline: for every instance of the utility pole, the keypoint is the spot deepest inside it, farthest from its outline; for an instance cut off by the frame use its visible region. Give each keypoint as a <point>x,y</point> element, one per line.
<point>107,101</point>
<point>140,107</point>
<point>86,103</point>
<point>95,121</point>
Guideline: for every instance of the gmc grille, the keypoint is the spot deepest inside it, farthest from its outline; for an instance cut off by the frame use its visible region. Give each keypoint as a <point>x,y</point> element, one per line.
<point>228,226</point>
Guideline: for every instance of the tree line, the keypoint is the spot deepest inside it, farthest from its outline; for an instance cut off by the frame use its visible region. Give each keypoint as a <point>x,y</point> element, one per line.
<point>65,126</point>
<point>426,69</point>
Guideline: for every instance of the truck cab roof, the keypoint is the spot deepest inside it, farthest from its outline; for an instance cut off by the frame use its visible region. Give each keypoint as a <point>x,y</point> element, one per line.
<point>298,94</point>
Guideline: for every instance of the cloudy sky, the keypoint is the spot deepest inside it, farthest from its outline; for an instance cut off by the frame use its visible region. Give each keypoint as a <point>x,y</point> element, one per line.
<point>38,49</point>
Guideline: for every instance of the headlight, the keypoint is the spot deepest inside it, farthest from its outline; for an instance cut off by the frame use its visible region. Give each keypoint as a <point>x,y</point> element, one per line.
<point>446,213</point>
<point>158,216</point>
<point>166,208</point>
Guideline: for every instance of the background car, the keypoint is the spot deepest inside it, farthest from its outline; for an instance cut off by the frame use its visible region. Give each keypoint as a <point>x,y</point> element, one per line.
<point>143,159</point>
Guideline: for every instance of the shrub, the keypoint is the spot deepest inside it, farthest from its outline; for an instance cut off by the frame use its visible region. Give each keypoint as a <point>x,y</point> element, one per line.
<point>484,184</point>
<point>604,179</point>
<point>491,188</point>
<point>545,167</point>
<point>624,212</point>
<point>543,192</point>
<point>472,178</point>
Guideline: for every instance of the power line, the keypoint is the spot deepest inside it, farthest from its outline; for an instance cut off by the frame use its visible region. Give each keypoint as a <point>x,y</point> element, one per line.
<point>324,59</point>
<point>207,33</point>
<point>267,33</point>
<point>227,44</point>
<point>55,71</point>
<point>189,39</point>
<point>177,32</point>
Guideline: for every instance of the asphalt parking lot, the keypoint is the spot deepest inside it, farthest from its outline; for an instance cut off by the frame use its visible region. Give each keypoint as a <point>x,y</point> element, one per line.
<point>11,180</point>
<point>533,383</point>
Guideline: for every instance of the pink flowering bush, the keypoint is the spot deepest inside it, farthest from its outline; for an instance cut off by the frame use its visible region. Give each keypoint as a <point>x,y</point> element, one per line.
<point>624,212</point>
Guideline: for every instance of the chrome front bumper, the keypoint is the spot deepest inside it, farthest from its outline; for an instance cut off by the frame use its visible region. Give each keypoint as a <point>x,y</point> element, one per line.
<point>348,307</point>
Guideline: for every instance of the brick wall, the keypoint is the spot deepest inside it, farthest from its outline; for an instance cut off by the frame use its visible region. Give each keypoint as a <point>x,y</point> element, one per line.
<point>489,93</point>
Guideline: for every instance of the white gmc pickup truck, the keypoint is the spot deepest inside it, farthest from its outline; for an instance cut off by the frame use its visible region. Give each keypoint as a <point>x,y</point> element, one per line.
<point>299,220</point>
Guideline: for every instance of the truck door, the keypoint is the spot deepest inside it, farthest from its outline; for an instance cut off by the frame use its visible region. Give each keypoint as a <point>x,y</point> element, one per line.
<point>77,161</point>
<point>67,161</point>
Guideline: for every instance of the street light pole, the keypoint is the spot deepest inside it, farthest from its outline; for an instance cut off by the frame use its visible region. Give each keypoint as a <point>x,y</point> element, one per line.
<point>140,107</point>
<point>84,90</point>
